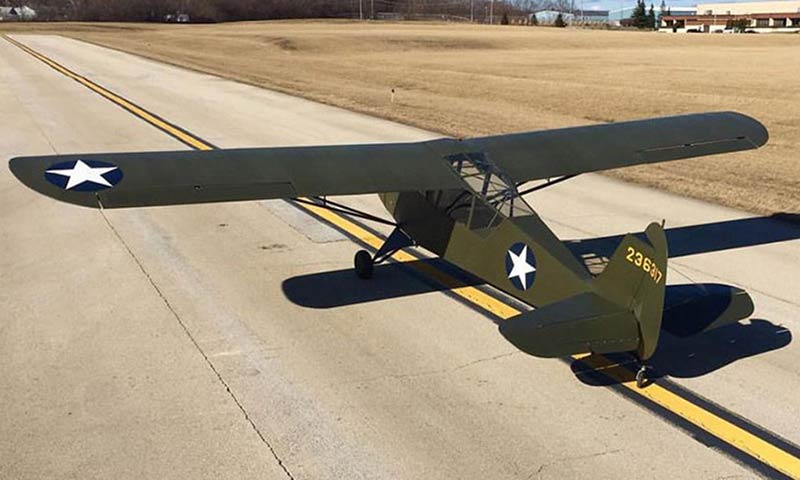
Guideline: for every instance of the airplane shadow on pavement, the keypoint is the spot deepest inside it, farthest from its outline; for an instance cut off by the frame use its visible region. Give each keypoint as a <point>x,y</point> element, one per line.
<point>339,288</point>
<point>706,237</point>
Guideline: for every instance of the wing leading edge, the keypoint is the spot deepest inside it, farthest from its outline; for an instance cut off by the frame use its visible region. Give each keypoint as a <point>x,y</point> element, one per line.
<point>116,180</point>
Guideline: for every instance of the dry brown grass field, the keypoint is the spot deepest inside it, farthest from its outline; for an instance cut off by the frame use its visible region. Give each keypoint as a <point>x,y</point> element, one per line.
<point>468,80</point>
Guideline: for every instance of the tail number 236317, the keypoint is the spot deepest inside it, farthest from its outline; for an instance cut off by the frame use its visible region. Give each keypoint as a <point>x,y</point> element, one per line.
<point>637,258</point>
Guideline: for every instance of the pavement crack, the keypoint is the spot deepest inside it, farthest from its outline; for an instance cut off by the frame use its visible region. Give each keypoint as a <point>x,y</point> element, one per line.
<point>545,466</point>
<point>426,373</point>
<point>487,359</point>
<point>197,346</point>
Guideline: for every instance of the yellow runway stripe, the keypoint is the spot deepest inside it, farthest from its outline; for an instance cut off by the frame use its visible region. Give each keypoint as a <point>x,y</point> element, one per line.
<point>726,431</point>
<point>139,112</point>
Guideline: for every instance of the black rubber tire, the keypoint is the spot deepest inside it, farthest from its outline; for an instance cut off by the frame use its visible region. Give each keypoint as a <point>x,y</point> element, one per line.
<point>641,378</point>
<point>364,265</point>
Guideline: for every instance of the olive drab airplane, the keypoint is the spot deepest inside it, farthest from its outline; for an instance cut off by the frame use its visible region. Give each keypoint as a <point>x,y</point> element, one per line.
<point>461,199</point>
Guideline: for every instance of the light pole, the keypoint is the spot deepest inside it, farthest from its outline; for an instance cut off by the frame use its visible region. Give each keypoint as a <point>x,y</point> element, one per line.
<point>361,9</point>
<point>491,13</point>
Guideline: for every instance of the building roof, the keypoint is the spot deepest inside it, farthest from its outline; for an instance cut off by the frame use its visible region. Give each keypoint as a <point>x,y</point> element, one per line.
<point>591,13</point>
<point>723,18</point>
<point>743,8</point>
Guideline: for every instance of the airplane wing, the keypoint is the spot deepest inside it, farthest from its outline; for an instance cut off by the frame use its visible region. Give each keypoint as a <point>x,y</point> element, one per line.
<point>115,180</point>
<point>570,151</point>
<point>169,178</point>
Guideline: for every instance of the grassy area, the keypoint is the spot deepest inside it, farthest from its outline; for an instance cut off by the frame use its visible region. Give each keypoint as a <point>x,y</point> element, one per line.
<point>471,80</point>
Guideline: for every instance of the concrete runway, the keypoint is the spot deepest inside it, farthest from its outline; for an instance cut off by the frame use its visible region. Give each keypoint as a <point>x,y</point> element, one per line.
<point>162,343</point>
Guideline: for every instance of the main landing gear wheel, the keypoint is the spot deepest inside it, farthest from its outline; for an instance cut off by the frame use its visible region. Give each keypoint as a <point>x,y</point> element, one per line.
<point>364,264</point>
<point>641,376</point>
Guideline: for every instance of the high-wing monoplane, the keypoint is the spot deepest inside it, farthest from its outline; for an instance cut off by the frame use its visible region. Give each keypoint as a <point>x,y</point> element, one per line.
<point>461,199</point>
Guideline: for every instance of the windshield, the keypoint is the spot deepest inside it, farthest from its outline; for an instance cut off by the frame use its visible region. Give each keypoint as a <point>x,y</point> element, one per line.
<point>495,192</point>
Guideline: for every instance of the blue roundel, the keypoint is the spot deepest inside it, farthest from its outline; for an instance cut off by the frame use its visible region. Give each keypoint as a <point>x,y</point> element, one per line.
<point>83,175</point>
<point>521,266</point>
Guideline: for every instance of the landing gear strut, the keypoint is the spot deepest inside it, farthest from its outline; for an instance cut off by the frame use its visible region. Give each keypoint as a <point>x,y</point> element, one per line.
<point>364,263</point>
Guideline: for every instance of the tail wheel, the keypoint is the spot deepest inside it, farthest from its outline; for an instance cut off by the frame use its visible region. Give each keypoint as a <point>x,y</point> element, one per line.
<point>364,265</point>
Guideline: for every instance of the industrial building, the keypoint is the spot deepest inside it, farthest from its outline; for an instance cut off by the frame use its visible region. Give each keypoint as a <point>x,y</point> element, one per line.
<point>576,17</point>
<point>747,17</point>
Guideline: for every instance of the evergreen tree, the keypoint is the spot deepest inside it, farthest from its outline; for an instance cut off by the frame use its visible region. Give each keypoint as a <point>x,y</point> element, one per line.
<point>639,15</point>
<point>504,20</point>
<point>651,18</point>
<point>560,21</point>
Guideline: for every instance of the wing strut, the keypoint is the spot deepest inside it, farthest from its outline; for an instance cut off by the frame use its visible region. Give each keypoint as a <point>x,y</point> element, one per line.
<point>323,202</point>
<point>548,183</point>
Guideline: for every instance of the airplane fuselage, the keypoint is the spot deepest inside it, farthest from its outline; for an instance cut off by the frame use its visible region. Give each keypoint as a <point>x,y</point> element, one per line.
<point>517,255</point>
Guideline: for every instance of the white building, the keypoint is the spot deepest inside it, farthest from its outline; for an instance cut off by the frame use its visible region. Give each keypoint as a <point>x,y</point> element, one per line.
<point>17,13</point>
<point>755,17</point>
<point>548,17</point>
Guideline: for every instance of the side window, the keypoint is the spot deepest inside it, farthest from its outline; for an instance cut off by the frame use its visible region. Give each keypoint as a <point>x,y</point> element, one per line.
<point>489,195</point>
<point>484,216</point>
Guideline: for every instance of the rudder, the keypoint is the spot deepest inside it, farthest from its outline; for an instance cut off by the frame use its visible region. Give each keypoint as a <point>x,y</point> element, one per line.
<point>635,278</point>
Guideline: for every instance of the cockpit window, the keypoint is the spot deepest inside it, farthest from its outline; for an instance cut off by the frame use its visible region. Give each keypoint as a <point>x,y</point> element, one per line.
<point>493,194</point>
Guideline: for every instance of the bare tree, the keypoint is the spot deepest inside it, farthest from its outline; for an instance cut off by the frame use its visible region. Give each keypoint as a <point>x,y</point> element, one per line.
<point>229,10</point>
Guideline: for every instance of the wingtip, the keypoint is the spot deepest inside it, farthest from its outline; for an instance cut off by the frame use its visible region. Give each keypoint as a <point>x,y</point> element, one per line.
<point>754,130</point>
<point>16,168</point>
<point>30,172</point>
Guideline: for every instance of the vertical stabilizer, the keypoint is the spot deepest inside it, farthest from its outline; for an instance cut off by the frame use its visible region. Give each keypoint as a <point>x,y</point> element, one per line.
<point>635,279</point>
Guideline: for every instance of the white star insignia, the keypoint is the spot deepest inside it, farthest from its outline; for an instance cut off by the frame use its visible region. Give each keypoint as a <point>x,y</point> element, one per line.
<point>82,173</point>
<point>521,267</point>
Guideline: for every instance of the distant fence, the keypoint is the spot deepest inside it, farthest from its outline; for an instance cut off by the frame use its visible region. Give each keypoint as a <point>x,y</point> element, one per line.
<point>433,17</point>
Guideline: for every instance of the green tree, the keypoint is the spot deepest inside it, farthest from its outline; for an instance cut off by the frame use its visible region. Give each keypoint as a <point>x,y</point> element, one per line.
<point>639,15</point>
<point>560,21</point>
<point>504,20</point>
<point>534,20</point>
<point>651,18</point>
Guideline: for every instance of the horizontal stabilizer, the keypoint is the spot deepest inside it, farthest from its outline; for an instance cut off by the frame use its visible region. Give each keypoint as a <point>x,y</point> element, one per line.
<point>583,323</point>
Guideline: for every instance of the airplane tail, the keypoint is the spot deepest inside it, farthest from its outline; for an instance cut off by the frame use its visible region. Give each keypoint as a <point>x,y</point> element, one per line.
<point>622,311</point>
<point>635,279</point>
